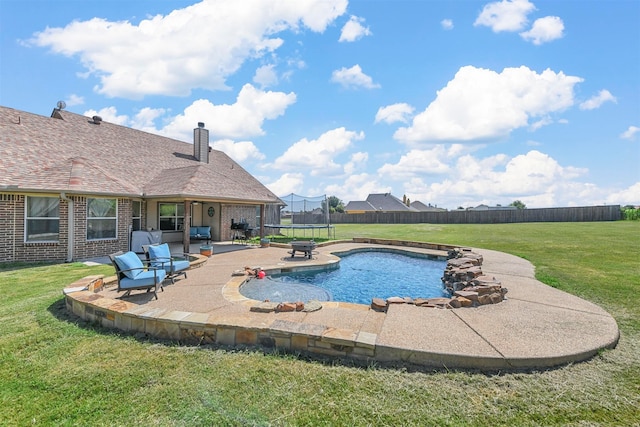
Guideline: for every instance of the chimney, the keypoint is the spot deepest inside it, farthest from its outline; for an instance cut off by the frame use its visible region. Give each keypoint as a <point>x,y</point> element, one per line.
<point>201,143</point>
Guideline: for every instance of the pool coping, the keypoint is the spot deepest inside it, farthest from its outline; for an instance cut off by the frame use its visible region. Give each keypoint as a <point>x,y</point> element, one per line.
<point>536,327</point>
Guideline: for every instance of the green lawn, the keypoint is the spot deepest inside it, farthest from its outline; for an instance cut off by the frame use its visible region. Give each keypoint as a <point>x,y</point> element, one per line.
<point>57,370</point>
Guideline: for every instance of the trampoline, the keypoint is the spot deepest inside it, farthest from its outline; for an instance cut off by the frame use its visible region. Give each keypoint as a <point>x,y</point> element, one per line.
<point>303,228</point>
<point>308,216</point>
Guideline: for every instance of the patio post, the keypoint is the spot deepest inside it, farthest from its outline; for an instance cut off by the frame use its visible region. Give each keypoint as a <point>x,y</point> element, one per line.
<point>262,210</point>
<point>186,229</point>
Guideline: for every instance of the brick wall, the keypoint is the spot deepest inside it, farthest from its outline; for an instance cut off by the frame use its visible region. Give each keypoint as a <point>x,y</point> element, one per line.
<point>235,212</point>
<point>14,249</point>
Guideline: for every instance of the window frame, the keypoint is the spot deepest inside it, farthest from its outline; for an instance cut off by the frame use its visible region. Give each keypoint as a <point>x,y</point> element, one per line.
<point>178,225</point>
<point>135,217</point>
<point>28,218</point>
<point>102,218</point>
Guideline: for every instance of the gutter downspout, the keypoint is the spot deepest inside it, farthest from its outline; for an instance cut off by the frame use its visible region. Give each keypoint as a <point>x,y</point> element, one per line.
<point>70,226</point>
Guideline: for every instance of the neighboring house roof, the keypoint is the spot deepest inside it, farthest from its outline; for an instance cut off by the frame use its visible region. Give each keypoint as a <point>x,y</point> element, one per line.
<point>492,208</point>
<point>419,206</point>
<point>359,205</point>
<point>388,203</point>
<point>69,152</point>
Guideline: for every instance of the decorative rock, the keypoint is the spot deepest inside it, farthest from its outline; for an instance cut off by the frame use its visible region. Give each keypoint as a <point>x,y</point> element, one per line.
<point>464,302</point>
<point>286,307</point>
<point>395,300</point>
<point>496,297</point>
<point>264,307</point>
<point>471,295</point>
<point>484,299</point>
<point>485,280</point>
<point>312,305</point>
<point>439,301</point>
<point>454,303</point>
<point>378,304</point>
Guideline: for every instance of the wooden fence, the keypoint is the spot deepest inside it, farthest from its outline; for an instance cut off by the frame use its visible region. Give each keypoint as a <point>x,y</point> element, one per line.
<point>573,214</point>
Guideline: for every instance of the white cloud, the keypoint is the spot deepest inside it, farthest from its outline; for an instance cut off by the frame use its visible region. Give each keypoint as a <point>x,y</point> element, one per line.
<point>145,119</point>
<point>394,113</point>
<point>544,30</point>
<point>240,151</point>
<point>110,114</point>
<point>358,160</point>
<point>628,196</point>
<point>597,100</point>
<point>288,183</point>
<point>480,104</point>
<point>505,15</point>
<point>74,99</point>
<point>357,187</point>
<point>353,78</point>
<point>266,76</point>
<point>417,162</point>
<point>447,24</point>
<point>318,156</point>
<point>240,120</point>
<point>630,133</point>
<point>198,46</point>
<point>535,178</point>
<point>354,30</point>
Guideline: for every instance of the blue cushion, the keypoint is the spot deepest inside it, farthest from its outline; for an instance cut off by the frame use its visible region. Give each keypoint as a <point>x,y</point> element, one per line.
<point>144,279</point>
<point>129,261</point>
<point>159,254</point>
<point>177,266</point>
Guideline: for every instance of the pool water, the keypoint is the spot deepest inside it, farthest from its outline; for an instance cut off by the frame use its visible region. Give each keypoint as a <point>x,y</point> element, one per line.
<point>359,277</point>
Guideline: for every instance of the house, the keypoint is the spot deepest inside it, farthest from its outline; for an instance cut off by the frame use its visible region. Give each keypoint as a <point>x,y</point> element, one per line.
<point>421,207</point>
<point>384,202</point>
<point>492,208</point>
<point>74,187</point>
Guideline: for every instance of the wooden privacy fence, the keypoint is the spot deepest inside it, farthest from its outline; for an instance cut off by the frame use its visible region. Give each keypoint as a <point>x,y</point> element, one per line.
<point>573,214</point>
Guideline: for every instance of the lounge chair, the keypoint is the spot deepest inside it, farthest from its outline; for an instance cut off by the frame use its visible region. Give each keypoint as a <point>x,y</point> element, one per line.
<point>161,257</point>
<point>132,274</point>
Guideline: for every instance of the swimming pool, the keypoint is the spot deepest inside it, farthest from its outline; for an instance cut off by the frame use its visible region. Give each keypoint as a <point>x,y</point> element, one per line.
<point>358,278</point>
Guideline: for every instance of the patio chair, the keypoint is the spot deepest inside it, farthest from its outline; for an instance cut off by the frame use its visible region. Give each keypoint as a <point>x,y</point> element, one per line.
<point>160,256</point>
<point>132,274</point>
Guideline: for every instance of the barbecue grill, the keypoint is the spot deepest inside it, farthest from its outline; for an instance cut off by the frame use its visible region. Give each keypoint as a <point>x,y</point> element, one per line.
<point>240,231</point>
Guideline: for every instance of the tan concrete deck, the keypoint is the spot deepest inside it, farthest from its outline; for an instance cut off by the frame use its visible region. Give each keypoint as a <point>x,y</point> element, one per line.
<point>537,326</point>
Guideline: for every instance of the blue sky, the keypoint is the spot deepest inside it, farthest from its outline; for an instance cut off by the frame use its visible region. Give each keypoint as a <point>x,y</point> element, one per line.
<point>449,103</point>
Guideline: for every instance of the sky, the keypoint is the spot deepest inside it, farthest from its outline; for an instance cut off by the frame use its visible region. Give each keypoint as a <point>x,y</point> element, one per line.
<point>451,103</point>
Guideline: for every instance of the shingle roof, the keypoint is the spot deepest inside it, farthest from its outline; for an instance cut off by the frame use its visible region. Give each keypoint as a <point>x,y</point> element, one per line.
<point>75,155</point>
<point>387,202</point>
<point>419,206</point>
<point>359,205</point>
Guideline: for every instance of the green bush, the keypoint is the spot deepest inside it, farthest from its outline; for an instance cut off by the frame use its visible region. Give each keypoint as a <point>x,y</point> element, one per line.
<point>631,214</point>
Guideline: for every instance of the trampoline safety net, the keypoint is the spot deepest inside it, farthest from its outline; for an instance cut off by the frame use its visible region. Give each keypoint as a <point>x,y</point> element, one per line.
<point>303,214</point>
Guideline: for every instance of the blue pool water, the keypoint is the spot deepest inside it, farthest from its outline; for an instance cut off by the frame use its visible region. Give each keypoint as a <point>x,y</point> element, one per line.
<point>360,277</point>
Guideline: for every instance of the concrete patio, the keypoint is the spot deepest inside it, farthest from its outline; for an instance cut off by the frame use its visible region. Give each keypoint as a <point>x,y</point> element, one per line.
<point>535,327</point>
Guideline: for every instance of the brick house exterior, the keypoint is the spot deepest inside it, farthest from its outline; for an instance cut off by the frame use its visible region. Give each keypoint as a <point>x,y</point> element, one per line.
<point>74,187</point>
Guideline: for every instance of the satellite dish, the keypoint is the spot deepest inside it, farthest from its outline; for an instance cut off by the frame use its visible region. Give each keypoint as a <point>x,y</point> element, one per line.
<point>61,105</point>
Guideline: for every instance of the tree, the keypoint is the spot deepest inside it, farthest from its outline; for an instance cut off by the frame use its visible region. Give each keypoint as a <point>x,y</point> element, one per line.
<point>518,204</point>
<point>335,204</point>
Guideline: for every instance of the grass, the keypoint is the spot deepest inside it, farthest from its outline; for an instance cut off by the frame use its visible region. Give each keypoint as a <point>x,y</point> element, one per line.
<point>58,370</point>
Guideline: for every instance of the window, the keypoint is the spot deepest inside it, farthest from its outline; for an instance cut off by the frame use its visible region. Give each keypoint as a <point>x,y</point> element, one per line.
<point>42,219</point>
<point>136,215</point>
<point>101,219</point>
<point>171,216</point>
